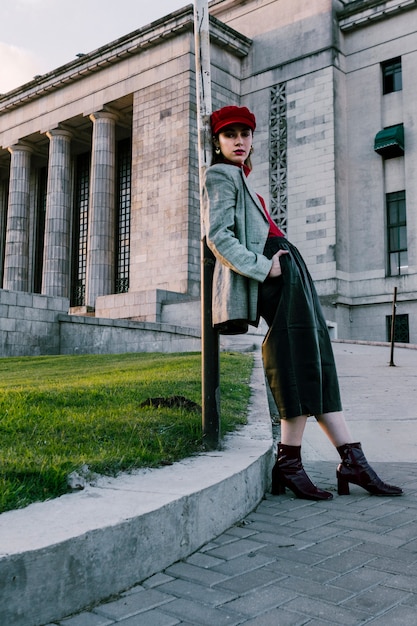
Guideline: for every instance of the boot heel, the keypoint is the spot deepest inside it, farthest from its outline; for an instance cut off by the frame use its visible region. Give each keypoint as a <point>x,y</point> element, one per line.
<point>342,486</point>
<point>278,487</point>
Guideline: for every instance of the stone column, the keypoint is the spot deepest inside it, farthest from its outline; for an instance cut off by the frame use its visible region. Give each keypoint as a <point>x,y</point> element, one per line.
<point>101,211</point>
<point>16,255</point>
<point>56,256</point>
<point>3,214</point>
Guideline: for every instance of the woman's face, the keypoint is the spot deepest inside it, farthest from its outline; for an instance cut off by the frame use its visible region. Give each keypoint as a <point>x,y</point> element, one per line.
<point>235,142</point>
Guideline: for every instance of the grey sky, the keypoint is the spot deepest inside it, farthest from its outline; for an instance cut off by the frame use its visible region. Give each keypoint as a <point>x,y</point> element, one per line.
<point>37,36</point>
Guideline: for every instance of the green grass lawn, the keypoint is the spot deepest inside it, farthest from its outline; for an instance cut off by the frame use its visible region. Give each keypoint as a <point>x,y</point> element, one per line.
<point>58,413</point>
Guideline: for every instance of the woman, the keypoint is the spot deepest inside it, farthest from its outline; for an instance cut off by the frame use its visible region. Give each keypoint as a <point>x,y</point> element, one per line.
<point>260,273</point>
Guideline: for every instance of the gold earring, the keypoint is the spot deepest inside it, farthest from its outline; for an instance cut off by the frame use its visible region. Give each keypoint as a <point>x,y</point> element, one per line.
<point>217,150</point>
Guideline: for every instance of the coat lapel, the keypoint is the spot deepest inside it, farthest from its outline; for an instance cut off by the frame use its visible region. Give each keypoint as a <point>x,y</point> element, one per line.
<point>253,194</point>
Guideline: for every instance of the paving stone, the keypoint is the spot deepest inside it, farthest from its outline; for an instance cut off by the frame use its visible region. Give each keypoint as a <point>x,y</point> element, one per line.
<point>261,600</point>
<point>407,532</point>
<point>334,614</point>
<point>312,521</point>
<point>244,563</point>
<point>398,616</point>
<point>349,560</point>
<point>393,566</point>
<point>195,574</point>
<point>360,579</point>
<point>370,535</point>
<point>285,504</point>
<point>387,509</point>
<point>251,580</point>
<point>405,582</point>
<point>280,539</point>
<point>410,569</point>
<point>224,538</point>
<point>292,568</point>
<point>304,512</point>
<point>155,580</point>
<point>291,553</point>
<point>201,559</point>
<point>411,545</point>
<point>208,546</point>
<point>411,600</point>
<point>271,526</point>
<point>270,516</point>
<point>87,619</point>
<point>135,589</point>
<point>196,613</point>
<point>211,596</point>
<point>378,549</point>
<point>233,550</point>
<point>335,545</point>
<point>151,618</point>
<point>326,532</point>
<point>359,522</point>
<point>376,600</point>
<point>279,617</point>
<point>359,504</point>
<point>266,514</point>
<point>319,622</point>
<point>241,531</point>
<point>314,589</point>
<point>132,604</point>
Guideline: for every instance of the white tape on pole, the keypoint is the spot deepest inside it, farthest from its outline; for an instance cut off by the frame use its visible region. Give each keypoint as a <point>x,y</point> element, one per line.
<point>203,82</point>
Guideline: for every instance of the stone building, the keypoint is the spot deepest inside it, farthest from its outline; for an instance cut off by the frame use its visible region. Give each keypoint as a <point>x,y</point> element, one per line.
<point>99,198</point>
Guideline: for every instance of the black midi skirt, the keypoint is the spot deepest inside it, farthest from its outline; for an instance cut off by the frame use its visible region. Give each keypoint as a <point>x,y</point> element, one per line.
<point>296,352</point>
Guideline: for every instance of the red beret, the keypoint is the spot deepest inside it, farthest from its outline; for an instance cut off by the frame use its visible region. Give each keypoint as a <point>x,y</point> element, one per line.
<point>231,115</point>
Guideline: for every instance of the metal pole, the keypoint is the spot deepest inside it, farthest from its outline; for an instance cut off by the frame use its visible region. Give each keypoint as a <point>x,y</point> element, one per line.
<point>394,307</point>
<point>210,375</point>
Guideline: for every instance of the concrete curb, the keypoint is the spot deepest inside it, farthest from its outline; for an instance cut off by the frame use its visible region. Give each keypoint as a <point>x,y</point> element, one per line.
<point>61,556</point>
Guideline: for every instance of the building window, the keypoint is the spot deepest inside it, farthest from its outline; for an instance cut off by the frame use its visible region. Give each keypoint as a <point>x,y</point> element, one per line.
<point>123,215</point>
<point>392,75</point>
<point>401,329</point>
<point>278,156</point>
<point>40,230</point>
<point>397,233</point>
<point>79,265</point>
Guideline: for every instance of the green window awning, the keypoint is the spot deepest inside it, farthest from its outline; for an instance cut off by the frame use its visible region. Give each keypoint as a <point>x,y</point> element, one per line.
<point>389,142</point>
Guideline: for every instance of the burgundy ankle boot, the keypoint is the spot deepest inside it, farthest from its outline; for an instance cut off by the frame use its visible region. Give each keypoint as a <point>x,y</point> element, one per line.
<point>355,469</point>
<point>288,472</point>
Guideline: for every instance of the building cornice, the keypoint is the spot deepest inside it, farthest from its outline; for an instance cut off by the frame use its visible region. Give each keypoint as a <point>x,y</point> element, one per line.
<point>219,6</point>
<point>154,34</point>
<point>364,12</point>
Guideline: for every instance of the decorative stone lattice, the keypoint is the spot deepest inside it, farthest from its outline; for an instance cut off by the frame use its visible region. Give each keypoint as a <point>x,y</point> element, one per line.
<point>278,155</point>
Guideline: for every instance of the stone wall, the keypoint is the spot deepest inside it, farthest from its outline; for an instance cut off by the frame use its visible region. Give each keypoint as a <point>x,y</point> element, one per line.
<point>89,335</point>
<point>165,225</point>
<point>29,323</point>
<point>34,325</point>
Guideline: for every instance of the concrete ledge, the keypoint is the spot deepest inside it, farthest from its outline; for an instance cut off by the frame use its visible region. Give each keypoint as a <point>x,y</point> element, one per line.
<point>94,335</point>
<point>61,556</point>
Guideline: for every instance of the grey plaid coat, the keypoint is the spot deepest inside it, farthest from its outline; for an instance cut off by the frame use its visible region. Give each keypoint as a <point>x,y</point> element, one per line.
<point>236,229</point>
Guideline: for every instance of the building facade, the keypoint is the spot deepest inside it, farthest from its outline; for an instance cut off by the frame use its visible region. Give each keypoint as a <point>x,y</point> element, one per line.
<point>99,198</point>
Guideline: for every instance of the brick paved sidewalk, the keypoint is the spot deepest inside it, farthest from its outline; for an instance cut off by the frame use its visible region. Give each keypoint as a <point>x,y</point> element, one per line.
<point>290,563</point>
